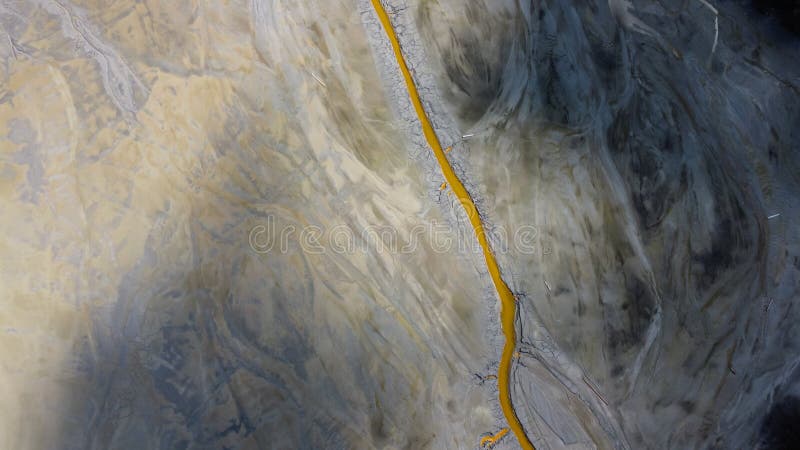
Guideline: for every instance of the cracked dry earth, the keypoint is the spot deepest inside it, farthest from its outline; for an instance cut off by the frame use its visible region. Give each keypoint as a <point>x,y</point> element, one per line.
<point>222,226</point>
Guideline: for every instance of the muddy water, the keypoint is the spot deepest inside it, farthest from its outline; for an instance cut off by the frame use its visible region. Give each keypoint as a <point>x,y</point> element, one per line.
<point>222,225</point>
<point>161,163</point>
<point>650,146</point>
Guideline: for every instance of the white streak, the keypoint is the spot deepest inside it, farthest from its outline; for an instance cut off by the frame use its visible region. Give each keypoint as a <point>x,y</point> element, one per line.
<point>716,27</point>
<point>318,80</point>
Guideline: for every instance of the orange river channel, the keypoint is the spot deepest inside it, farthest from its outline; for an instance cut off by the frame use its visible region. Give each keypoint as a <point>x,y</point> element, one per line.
<point>507,301</point>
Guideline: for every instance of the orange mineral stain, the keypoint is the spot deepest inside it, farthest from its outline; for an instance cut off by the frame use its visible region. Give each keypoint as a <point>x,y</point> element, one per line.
<point>507,301</point>
<point>444,185</point>
<point>489,441</point>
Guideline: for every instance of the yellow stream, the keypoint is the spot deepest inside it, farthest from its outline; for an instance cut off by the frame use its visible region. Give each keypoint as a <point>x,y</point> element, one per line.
<point>507,300</point>
<point>491,440</point>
